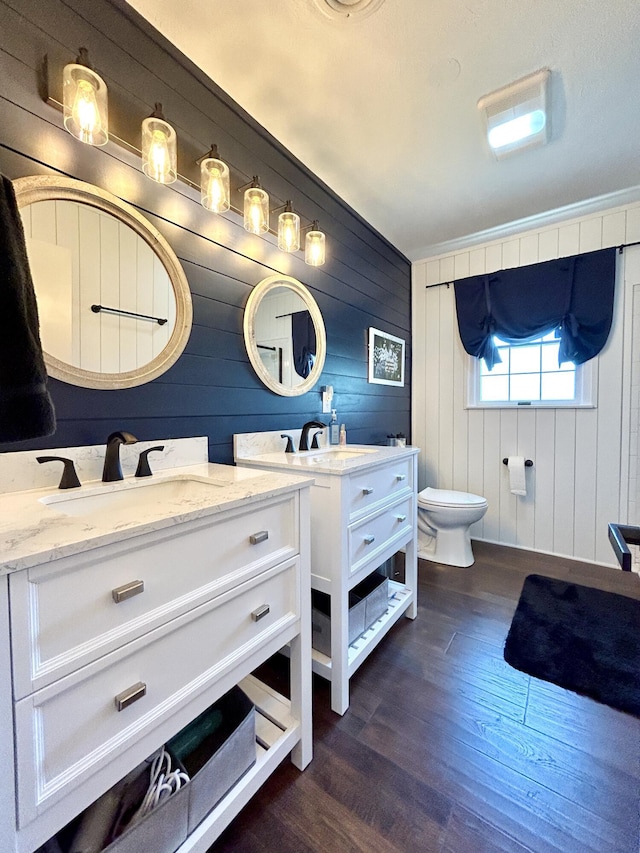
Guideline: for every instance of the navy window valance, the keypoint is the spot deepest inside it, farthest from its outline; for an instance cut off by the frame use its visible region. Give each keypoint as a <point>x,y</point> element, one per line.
<point>573,295</point>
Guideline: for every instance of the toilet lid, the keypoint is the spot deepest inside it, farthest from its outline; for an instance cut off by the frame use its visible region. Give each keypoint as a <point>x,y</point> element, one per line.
<point>445,497</point>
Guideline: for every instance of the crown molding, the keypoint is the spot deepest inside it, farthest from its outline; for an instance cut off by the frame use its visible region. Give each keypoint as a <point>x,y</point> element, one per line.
<point>578,210</point>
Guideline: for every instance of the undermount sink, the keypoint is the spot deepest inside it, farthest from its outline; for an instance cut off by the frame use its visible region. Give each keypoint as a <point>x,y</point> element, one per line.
<point>121,502</point>
<point>336,453</point>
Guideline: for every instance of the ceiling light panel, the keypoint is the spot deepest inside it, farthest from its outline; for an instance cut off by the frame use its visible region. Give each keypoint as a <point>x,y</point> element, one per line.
<point>517,116</point>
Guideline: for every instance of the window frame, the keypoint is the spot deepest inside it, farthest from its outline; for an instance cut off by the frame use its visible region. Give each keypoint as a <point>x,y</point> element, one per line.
<point>586,396</point>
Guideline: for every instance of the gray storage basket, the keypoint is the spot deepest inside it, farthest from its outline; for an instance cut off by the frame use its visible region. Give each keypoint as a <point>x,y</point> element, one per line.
<point>216,750</point>
<point>163,830</point>
<point>374,592</point>
<point>321,620</point>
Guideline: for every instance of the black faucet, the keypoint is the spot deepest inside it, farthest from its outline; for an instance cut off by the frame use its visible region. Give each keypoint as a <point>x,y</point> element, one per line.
<point>304,435</point>
<point>112,469</point>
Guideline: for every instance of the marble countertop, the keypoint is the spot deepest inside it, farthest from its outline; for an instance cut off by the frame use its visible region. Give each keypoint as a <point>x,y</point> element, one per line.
<point>314,462</point>
<point>33,532</point>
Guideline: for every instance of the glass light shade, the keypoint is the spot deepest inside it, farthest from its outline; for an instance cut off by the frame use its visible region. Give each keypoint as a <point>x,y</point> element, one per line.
<point>289,231</point>
<point>314,248</point>
<point>159,150</point>
<point>85,107</point>
<point>256,210</point>
<point>214,185</point>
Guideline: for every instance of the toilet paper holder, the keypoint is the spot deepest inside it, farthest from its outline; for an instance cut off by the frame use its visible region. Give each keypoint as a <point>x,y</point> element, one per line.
<point>528,463</point>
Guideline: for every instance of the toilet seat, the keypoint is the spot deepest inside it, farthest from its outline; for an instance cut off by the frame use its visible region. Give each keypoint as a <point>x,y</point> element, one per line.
<point>448,498</point>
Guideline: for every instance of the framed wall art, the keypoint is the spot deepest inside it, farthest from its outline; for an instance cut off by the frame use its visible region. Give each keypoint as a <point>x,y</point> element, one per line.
<point>386,358</point>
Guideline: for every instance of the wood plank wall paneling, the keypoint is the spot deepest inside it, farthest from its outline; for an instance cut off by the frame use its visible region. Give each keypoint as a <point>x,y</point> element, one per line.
<point>586,471</point>
<point>212,389</point>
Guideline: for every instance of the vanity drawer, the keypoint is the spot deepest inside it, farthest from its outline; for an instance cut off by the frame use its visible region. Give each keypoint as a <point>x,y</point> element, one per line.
<point>71,729</point>
<point>64,614</point>
<point>374,486</point>
<point>369,538</point>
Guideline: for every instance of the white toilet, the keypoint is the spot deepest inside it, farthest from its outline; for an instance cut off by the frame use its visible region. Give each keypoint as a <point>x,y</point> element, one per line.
<point>444,519</point>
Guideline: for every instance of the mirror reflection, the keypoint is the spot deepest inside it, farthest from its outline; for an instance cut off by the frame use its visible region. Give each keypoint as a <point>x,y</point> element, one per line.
<point>113,300</point>
<point>105,300</point>
<point>285,335</point>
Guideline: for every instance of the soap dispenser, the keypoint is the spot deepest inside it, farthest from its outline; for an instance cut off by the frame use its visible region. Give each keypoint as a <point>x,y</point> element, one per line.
<point>334,428</point>
<point>343,435</point>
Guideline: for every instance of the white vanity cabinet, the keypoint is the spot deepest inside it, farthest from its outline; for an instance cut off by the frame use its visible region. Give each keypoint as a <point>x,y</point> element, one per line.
<point>359,520</point>
<point>363,510</point>
<point>170,618</point>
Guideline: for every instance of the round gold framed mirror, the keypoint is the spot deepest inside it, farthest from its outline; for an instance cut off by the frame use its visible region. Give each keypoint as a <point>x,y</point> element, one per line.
<point>113,300</point>
<point>284,335</point>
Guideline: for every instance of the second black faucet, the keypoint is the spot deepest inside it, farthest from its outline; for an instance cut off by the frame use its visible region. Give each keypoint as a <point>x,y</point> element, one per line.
<point>304,435</point>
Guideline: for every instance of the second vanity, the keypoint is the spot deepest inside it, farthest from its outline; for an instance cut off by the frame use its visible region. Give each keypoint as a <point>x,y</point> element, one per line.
<point>363,510</point>
<point>126,609</point>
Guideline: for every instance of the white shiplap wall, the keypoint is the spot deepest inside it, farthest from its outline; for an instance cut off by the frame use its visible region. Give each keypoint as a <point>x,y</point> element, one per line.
<point>581,478</point>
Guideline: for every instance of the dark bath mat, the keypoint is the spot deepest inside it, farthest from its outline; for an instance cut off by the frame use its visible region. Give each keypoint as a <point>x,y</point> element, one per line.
<point>580,638</point>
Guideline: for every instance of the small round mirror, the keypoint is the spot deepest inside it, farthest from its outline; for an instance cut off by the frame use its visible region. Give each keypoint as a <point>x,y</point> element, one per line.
<point>113,301</point>
<point>284,335</point>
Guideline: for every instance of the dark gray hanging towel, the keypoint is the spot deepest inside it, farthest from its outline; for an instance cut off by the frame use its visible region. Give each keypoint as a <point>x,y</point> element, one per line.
<point>26,410</point>
<point>303,333</point>
<point>573,295</point>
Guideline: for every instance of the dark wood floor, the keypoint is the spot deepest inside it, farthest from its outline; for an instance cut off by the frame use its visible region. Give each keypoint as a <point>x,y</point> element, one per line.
<point>447,748</point>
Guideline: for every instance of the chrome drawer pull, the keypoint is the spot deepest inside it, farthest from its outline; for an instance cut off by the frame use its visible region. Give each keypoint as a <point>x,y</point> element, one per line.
<point>369,539</point>
<point>401,477</point>
<point>259,612</point>
<point>127,590</point>
<point>259,537</point>
<point>401,518</point>
<point>130,695</point>
<point>367,491</point>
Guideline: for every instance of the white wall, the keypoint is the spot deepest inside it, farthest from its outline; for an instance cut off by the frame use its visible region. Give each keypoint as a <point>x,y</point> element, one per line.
<point>582,474</point>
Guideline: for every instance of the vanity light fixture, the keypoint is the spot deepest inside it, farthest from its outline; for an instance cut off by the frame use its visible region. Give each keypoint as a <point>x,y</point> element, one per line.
<point>256,208</point>
<point>517,116</point>
<point>214,182</point>
<point>314,246</point>
<point>159,148</point>
<point>288,229</point>
<point>82,99</point>
<point>85,103</point>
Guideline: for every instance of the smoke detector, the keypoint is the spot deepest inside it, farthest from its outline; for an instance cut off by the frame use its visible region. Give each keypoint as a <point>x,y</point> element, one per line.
<point>348,10</point>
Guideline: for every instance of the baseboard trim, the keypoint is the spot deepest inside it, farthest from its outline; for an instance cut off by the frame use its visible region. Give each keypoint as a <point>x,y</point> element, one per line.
<point>612,565</point>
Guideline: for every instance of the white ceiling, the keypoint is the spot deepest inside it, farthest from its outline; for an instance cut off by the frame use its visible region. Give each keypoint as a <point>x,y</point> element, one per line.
<point>382,107</point>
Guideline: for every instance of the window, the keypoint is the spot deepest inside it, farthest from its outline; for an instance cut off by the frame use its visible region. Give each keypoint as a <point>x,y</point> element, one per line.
<point>529,375</point>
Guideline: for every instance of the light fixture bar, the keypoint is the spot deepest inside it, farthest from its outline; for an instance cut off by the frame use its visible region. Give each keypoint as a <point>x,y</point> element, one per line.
<point>154,162</point>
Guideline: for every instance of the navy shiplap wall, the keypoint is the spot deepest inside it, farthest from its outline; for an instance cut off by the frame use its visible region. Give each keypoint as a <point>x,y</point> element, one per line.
<point>212,389</point>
